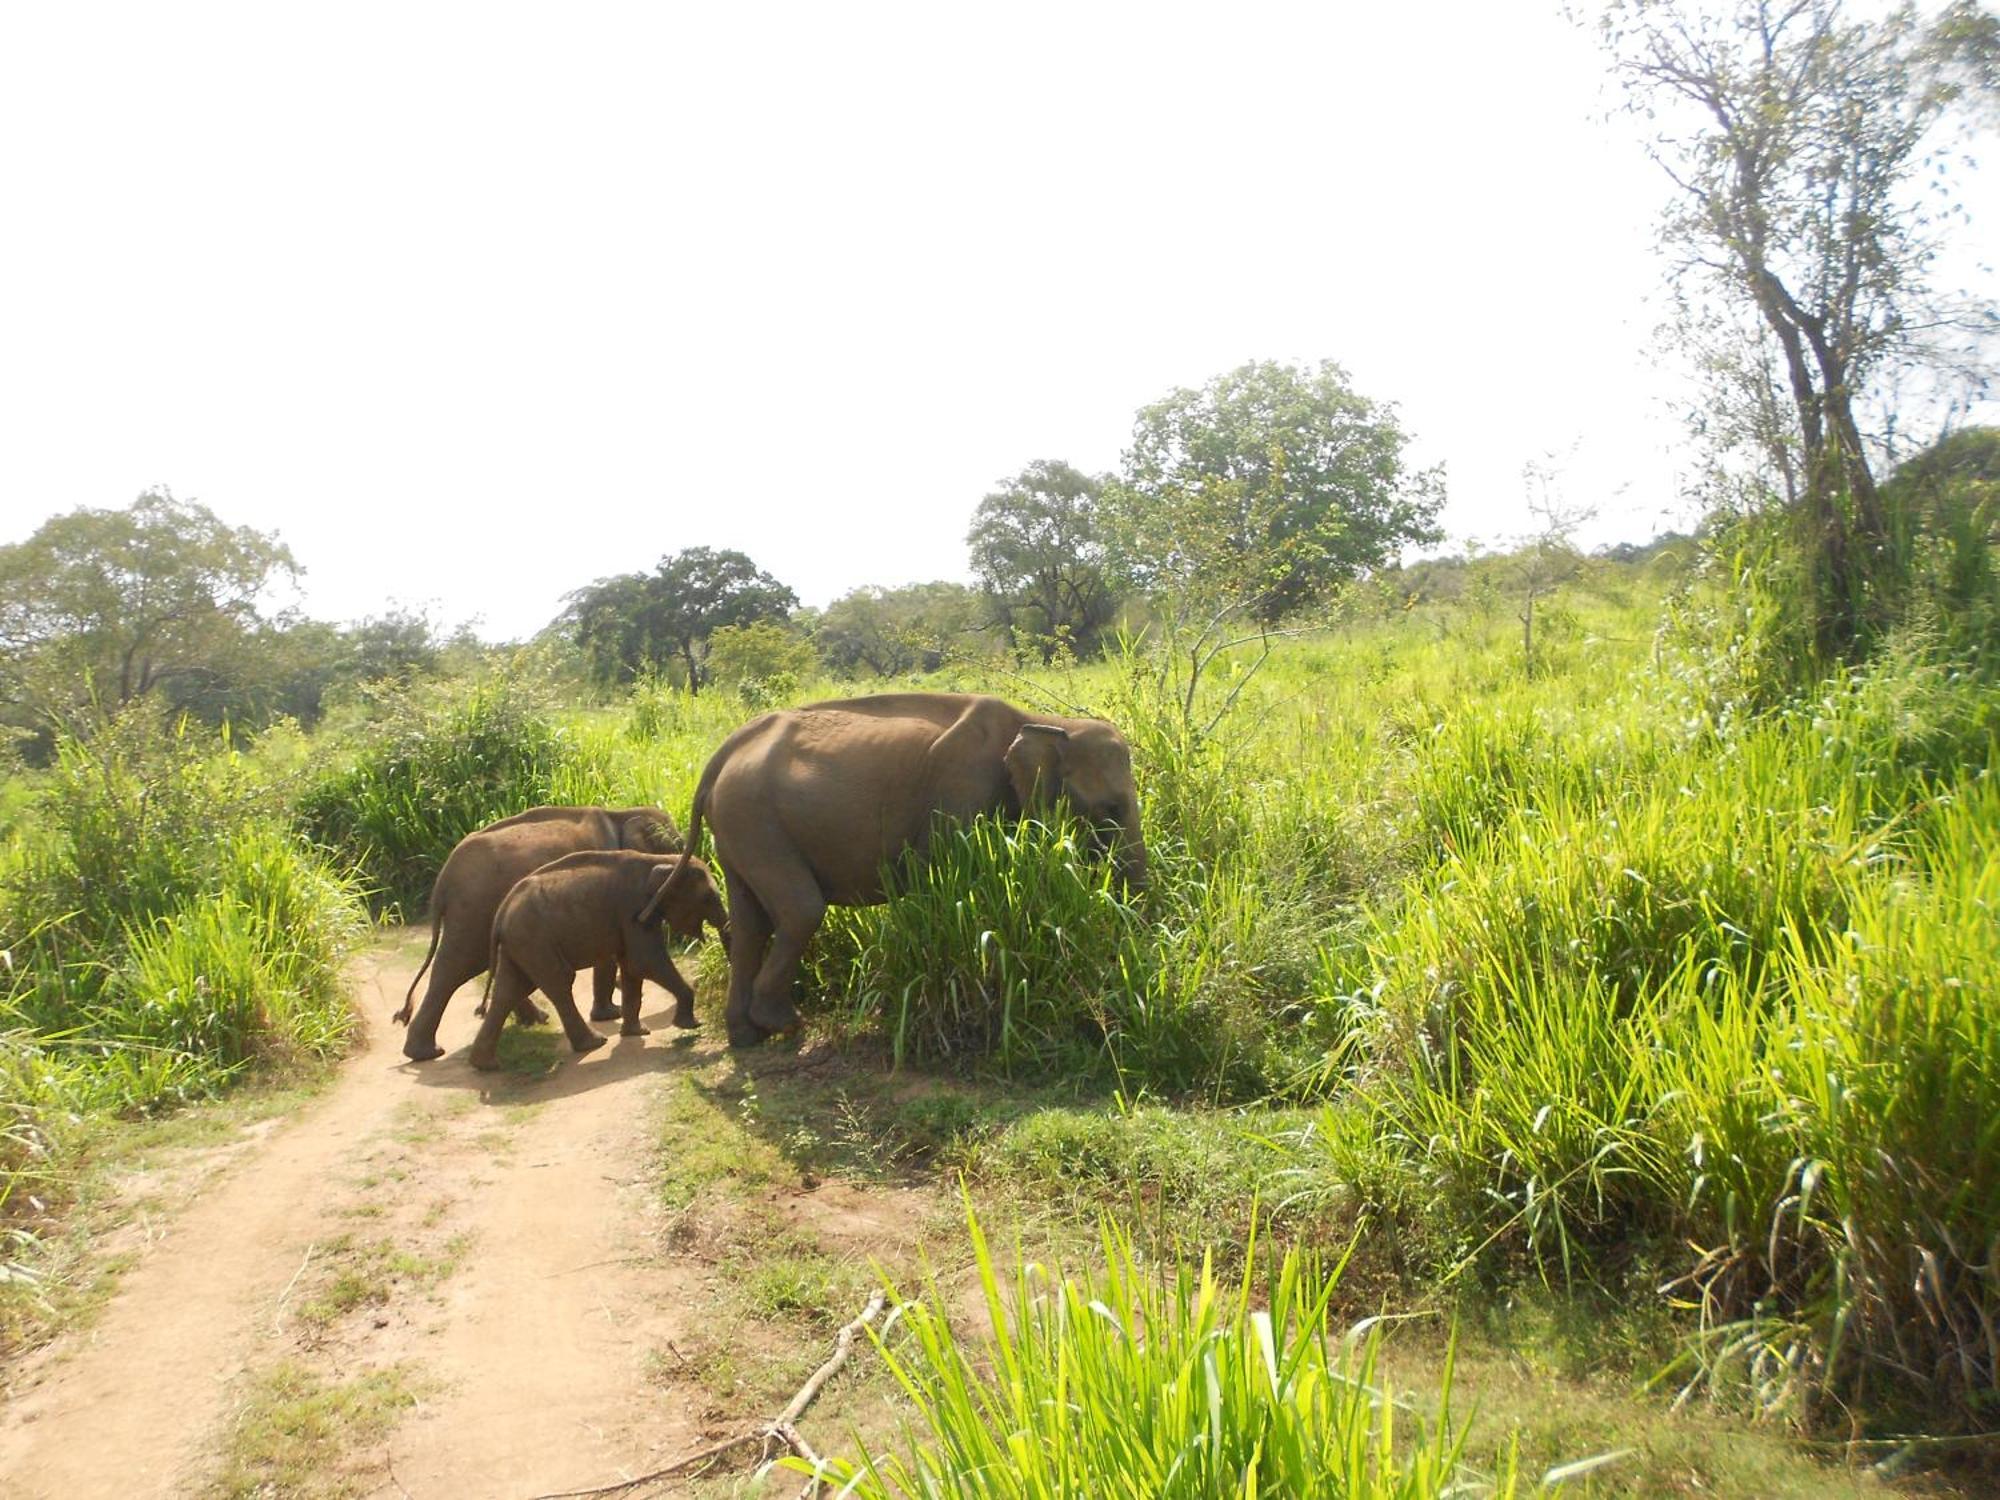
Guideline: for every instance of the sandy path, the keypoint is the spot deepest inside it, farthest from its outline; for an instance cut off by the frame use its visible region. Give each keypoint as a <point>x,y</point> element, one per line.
<point>529,1353</point>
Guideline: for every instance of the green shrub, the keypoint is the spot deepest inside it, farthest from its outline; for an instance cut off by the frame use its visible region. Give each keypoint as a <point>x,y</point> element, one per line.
<point>439,765</point>
<point>1735,989</point>
<point>162,925</point>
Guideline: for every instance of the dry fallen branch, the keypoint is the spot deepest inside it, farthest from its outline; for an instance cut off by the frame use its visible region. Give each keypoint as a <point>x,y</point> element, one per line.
<point>778,1435</point>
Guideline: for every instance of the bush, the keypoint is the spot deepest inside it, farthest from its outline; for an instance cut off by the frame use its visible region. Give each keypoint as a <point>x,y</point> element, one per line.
<point>439,765</point>
<point>1737,990</point>
<point>163,927</point>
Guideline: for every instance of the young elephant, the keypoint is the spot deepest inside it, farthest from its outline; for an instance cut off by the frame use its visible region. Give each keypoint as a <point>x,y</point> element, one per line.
<point>597,908</point>
<point>478,875</point>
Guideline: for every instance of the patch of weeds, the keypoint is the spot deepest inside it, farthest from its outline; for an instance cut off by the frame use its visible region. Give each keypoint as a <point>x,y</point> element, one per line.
<point>727,1371</point>
<point>417,1120</point>
<point>374,1178</point>
<point>1532,1394</point>
<point>705,1146</point>
<point>296,1434</point>
<point>865,1123</point>
<point>532,1052</point>
<point>786,1277</point>
<point>1176,1177</point>
<point>365,1273</point>
<point>63,1270</point>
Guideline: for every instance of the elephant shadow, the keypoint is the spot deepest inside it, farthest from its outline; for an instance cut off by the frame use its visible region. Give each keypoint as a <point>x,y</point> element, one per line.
<point>536,1063</point>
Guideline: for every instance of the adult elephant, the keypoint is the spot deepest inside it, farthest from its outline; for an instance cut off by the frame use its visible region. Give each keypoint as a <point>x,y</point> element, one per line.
<point>476,878</point>
<point>808,805</point>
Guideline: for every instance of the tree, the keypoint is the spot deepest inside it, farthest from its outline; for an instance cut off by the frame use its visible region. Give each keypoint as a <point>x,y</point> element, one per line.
<point>1038,548</point>
<point>113,604</point>
<point>1270,485</point>
<point>762,657</point>
<point>638,622</point>
<point>1547,557</point>
<point>915,628</point>
<point>1810,160</point>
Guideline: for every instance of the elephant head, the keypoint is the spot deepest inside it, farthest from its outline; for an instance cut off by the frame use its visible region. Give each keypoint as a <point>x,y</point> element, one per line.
<point>647,830</point>
<point>1090,768</point>
<point>684,904</point>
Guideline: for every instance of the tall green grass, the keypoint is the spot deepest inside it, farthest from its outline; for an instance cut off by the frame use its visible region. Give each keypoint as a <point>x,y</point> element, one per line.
<point>1126,1382</point>
<point>163,927</point>
<point>1721,997</point>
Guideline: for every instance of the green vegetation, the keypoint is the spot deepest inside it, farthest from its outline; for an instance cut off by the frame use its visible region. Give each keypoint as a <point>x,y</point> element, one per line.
<point>1127,1383</point>
<point>296,1434</point>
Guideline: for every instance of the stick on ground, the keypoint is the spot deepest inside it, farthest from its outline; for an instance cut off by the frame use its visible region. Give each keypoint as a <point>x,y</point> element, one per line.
<point>778,1435</point>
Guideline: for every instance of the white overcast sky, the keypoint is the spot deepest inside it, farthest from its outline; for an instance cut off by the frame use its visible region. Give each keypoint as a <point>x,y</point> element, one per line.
<point>473,304</point>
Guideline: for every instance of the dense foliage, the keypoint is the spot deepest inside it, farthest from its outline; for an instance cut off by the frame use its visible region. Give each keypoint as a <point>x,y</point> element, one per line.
<point>162,930</point>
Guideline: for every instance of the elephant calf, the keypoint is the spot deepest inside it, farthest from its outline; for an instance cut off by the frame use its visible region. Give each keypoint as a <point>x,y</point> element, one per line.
<point>476,878</point>
<point>603,907</point>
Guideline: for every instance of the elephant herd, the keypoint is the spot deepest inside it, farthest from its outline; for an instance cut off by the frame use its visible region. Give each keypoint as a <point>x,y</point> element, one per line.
<point>806,808</point>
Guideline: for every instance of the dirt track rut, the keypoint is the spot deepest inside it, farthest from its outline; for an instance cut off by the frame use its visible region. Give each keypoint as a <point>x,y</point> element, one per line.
<point>507,1261</point>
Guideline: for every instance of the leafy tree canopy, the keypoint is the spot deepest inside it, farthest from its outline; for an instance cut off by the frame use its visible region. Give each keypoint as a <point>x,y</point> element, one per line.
<point>915,628</point>
<point>1812,177</point>
<point>1270,483</point>
<point>1037,544</point>
<point>112,604</point>
<point>640,622</point>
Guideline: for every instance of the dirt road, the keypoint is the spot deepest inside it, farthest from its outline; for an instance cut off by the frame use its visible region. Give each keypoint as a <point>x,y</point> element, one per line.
<point>490,1243</point>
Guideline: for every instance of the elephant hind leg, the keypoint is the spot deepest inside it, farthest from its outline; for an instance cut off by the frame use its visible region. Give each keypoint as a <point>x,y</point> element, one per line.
<point>603,980</point>
<point>749,937</point>
<point>458,960</point>
<point>510,983</point>
<point>631,992</point>
<point>795,905</point>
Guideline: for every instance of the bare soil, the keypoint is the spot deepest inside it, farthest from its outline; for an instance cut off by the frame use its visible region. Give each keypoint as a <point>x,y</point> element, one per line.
<point>495,1237</point>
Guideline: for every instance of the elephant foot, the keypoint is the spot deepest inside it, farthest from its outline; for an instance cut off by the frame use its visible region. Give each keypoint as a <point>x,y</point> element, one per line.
<point>589,1044</point>
<point>684,1017</point>
<point>422,1052</point>
<point>774,1017</point>
<point>534,1015</point>
<point>633,1028</point>
<point>604,1012</point>
<point>487,1062</point>
<point>745,1034</point>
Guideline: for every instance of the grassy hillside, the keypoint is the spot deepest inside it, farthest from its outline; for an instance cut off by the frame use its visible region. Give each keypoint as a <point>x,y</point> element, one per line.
<point>1570,973</point>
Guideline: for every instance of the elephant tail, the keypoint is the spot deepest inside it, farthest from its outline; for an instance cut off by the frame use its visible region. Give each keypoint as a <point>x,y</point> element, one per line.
<point>693,841</point>
<point>402,1017</point>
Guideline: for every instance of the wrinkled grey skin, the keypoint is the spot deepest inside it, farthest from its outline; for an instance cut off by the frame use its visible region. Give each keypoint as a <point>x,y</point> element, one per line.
<point>599,908</point>
<point>476,878</point>
<point>807,805</point>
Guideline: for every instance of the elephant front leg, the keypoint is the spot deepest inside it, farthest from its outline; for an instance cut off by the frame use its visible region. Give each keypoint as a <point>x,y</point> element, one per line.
<point>603,979</point>
<point>683,994</point>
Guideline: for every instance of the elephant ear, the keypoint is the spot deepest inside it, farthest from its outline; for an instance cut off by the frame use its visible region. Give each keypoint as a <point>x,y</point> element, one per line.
<point>1034,762</point>
<point>656,890</point>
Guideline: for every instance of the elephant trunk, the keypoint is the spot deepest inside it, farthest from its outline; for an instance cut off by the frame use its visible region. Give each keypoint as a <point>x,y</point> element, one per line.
<point>1131,856</point>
